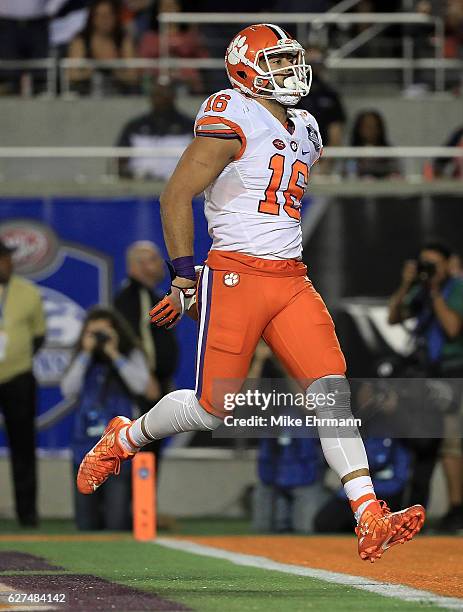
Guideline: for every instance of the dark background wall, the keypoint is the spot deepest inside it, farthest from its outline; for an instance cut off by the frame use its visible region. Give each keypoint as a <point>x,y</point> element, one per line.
<point>359,245</point>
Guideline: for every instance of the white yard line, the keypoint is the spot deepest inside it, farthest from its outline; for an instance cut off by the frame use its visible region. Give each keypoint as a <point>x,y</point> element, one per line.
<point>387,589</point>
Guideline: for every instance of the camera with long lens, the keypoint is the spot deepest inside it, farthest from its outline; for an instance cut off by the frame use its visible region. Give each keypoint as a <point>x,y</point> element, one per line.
<point>425,271</point>
<point>101,338</point>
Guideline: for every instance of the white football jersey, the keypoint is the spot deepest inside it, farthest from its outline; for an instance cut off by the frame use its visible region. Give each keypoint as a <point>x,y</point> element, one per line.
<point>253,206</point>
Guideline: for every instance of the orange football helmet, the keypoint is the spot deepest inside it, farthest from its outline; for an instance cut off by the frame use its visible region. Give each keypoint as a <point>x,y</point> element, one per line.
<point>256,45</point>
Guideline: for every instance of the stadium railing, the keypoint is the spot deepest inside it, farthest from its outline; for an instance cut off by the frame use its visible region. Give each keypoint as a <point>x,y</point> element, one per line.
<point>408,66</point>
<point>328,152</point>
<point>48,65</point>
<point>317,20</point>
<point>337,59</point>
<point>414,177</point>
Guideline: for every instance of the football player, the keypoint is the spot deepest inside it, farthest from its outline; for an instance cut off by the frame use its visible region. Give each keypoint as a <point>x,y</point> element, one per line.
<point>252,155</point>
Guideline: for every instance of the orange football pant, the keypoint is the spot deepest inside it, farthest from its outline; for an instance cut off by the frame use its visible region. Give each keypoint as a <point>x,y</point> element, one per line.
<point>243,298</point>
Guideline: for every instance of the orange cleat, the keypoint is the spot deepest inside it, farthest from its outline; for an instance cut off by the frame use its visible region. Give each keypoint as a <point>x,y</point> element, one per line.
<point>104,459</point>
<point>379,528</point>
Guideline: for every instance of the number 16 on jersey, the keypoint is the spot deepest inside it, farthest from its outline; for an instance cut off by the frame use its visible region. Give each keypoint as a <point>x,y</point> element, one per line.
<point>292,194</point>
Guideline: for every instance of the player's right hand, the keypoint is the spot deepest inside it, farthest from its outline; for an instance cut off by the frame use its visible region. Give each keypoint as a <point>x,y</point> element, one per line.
<point>170,309</point>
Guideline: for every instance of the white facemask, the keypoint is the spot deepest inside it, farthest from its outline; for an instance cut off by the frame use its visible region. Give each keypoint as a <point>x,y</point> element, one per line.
<point>287,99</point>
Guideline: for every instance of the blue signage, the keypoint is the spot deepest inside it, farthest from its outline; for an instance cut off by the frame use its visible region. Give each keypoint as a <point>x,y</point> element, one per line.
<point>74,248</point>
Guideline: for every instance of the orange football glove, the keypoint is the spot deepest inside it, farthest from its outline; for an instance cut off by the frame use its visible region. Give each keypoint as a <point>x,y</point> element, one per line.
<point>170,309</point>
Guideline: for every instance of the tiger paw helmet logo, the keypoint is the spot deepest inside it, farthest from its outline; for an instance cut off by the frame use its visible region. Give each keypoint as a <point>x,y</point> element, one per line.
<point>237,50</point>
<point>231,279</point>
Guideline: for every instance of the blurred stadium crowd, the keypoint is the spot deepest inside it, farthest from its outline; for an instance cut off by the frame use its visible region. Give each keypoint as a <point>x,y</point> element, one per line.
<point>128,29</point>
<point>93,31</point>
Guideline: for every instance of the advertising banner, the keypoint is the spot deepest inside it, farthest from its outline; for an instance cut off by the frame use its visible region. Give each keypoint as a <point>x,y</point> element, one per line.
<point>74,250</point>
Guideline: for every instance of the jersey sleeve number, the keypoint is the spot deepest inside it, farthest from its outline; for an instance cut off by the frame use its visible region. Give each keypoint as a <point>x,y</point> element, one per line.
<point>217,103</point>
<point>292,194</point>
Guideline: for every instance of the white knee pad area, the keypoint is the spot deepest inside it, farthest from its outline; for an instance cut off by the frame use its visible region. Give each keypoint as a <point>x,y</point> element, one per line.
<point>177,412</point>
<point>341,442</point>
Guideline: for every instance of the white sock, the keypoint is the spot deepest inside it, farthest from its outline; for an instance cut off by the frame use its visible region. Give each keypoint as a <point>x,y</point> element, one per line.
<point>174,413</point>
<point>357,488</point>
<point>136,434</point>
<point>130,448</point>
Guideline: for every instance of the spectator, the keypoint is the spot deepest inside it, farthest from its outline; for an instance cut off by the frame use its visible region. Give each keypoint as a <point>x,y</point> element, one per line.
<point>183,42</point>
<point>103,38</point>
<point>452,463</point>
<point>431,294</point>
<point>136,16</point>
<point>107,373</point>
<point>324,103</point>
<point>289,491</point>
<point>453,47</point>
<point>452,451</point>
<point>389,463</point>
<point>145,270</point>
<point>370,131</point>
<point>451,166</point>
<point>66,23</point>
<point>22,332</point>
<point>163,126</point>
<point>23,36</point>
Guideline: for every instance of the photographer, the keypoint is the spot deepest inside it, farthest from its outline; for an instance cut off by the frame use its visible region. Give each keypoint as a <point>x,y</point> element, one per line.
<point>430,293</point>
<point>106,374</point>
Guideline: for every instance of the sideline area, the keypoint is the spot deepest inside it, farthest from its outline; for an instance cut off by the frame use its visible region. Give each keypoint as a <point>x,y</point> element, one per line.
<point>429,569</point>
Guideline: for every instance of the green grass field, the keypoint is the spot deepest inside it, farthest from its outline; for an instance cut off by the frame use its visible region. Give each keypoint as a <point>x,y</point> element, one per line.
<point>200,583</point>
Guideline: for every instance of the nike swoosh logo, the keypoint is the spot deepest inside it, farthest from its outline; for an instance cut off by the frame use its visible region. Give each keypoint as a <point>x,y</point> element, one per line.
<point>305,152</point>
<point>384,545</point>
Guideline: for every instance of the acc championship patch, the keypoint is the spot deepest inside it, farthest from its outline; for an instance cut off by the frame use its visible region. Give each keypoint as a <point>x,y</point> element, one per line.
<point>314,137</point>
